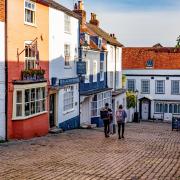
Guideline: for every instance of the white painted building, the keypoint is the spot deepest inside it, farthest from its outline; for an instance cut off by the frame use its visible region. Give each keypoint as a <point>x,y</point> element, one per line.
<point>114,68</point>
<point>155,74</point>
<point>63,55</point>
<point>2,81</point>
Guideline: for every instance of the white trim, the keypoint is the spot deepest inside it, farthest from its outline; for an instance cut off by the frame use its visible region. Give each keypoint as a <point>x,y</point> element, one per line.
<point>23,88</point>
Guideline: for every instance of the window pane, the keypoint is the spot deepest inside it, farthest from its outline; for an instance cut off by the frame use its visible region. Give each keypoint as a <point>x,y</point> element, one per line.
<point>175,87</point>
<point>159,86</point>
<point>32,94</point>
<point>33,111</point>
<point>166,108</point>
<point>18,110</point>
<point>38,93</point>
<point>170,108</point>
<point>38,107</point>
<point>19,97</point>
<point>27,95</point>
<point>179,109</point>
<point>175,108</point>
<point>27,109</point>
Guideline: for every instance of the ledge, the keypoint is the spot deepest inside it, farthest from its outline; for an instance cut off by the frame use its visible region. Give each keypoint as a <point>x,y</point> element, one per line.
<point>20,82</point>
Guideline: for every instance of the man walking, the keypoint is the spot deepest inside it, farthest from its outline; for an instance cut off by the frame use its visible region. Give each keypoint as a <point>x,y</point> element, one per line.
<point>106,115</point>
<point>120,118</point>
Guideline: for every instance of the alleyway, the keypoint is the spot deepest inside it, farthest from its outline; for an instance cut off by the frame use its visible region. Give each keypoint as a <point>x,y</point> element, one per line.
<point>149,151</point>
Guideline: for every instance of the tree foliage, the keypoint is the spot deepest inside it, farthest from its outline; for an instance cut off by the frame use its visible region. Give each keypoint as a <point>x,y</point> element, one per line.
<point>131,100</point>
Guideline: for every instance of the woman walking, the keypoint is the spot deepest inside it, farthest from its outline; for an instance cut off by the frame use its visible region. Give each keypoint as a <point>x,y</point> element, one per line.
<point>120,118</point>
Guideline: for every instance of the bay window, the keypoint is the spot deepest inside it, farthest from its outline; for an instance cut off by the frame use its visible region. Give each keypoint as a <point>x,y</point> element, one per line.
<point>29,102</point>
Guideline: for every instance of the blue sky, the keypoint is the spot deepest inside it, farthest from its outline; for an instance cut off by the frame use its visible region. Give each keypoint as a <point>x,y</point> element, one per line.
<point>136,22</point>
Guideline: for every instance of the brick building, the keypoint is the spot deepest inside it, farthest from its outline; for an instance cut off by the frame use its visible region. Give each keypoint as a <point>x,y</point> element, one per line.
<point>155,73</point>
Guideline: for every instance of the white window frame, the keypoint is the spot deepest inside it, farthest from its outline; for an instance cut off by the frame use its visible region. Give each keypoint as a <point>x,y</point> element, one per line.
<point>134,81</point>
<point>67,23</point>
<point>95,71</point>
<point>67,57</point>
<point>102,98</point>
<point>142,88</point>
<point>30,9</point>
<point>156,91</point>
<point>26,43</point>
<point>22,88</point>
<point>67,91</point>
<point>102,70</point>
<point>172,87</point>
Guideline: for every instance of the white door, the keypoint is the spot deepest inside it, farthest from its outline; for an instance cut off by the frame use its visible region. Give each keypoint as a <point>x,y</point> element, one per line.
<point>145,111</point>
<point>85,112</point>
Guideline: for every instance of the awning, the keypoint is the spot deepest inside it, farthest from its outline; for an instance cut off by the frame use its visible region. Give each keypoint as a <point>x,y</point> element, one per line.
<point>118,92</point>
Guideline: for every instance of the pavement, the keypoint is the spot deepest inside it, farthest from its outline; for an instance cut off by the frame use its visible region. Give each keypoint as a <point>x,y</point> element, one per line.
<point>149,151</point>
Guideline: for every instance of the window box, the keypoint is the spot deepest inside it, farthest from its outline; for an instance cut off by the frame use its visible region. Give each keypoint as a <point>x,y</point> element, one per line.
<point>33,74</point>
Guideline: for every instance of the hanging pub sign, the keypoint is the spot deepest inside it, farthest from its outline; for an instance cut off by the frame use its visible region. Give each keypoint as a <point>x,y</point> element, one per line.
<point>81,67</point>
<point>65,82</point>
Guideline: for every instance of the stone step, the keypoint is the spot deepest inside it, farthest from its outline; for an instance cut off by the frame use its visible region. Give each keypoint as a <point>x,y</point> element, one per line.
<point>55,130</point>
<point>88,126</point>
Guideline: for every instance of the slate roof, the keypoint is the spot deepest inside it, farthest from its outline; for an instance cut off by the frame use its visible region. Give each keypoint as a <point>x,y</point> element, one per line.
<point>55,5</point>
<point>104,35</point>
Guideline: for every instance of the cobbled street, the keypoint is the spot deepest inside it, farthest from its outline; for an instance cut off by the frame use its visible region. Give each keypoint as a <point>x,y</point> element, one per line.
<point>149,151</point>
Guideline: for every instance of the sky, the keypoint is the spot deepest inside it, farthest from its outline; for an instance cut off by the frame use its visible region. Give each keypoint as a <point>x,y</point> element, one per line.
<point>136,23</point>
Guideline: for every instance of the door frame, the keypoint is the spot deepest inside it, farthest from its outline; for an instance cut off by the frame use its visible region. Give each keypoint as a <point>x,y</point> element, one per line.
<point>55,108</point>
<point>140,106</point>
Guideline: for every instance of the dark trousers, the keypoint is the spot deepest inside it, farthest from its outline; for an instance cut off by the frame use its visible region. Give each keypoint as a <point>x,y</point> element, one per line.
<point>106,127</point>
<point>119,129</point>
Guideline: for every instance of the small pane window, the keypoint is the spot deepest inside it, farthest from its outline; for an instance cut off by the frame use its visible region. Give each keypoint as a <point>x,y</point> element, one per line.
<point>131,85</point>
<point>160,87</point>
<point>29,12</point>
<point>145,86</point>
<point>67,54</point>
<point>175,89</point>
<point>67,23</point>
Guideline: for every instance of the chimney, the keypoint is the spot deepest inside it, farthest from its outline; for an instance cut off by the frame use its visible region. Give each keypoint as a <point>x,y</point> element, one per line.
<point>79,9</point>
<point>94,20</point>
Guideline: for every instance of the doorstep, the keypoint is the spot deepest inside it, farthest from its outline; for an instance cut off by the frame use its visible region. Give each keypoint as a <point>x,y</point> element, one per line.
<point>55,130</point>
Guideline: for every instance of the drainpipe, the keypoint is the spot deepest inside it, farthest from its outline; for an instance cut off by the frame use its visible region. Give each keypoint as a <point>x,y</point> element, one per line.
<point>79,54</point>
<point>6,76</point>
<point>106,69</point>
<point>115,68</point>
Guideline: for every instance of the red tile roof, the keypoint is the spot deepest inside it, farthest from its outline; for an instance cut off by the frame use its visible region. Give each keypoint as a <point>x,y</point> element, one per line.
<point>163,58</point>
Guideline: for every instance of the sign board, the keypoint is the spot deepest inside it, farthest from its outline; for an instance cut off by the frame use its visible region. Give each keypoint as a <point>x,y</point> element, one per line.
<point>81,67</point>
<point>168,117</point>
<point>64,82</point>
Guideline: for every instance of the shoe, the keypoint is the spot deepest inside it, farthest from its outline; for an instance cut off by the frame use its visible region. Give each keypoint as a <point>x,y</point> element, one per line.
<point>119,137</point>
<point>123,137</point>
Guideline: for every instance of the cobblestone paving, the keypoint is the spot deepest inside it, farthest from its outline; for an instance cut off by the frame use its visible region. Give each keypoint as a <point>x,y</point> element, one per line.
<point>149,151</point>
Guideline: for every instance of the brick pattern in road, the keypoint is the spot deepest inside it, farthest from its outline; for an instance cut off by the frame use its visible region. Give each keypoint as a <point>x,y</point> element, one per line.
<point>149,151</point>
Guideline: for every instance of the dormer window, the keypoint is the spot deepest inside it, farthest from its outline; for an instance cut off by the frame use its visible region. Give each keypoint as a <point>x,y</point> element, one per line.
<point>87,38</point>
<point>99,43</point>
<point>149,63</point>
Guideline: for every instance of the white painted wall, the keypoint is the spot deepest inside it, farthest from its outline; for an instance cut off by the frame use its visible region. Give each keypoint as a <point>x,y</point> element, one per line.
<point>68,115</point>
<point>111,66</point>
<point>57,39</point>
<point>2,80</point>
<point>153,96</point>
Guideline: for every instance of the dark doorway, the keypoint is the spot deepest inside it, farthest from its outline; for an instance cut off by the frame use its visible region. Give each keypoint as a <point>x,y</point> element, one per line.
<point>52,110</point>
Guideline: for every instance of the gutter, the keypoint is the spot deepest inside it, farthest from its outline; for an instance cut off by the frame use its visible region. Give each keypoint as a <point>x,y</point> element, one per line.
<point>6,75</point>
